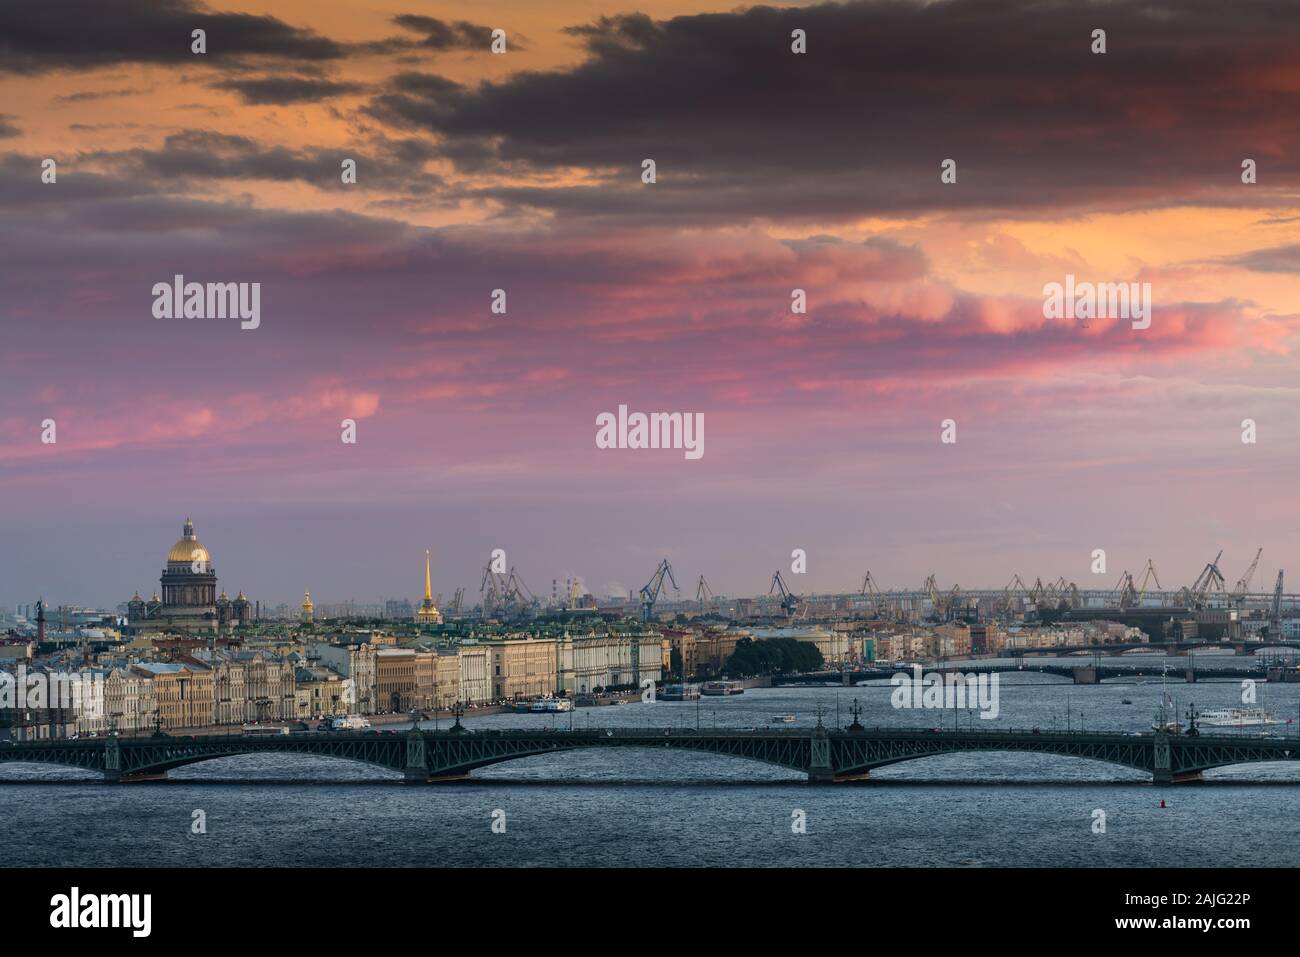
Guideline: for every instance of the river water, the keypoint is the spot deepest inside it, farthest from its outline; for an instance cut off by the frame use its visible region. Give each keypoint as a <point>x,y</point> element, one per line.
<point>631,808</point>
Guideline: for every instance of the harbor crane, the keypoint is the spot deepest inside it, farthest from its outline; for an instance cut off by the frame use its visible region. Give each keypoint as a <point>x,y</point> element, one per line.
<point>1013,590</point>
<point>493,589</point>
<point>1243,583</point>
<point>703,593</point>
<point>1210,579</point>
<point>505,593</point>
<point>1148,576</point>
<point>1275,610</point>
<point>789,601</point>
<point>877,599</point>
<point>518,597</point>
<point>1128,593</point>
<point>652,589</point>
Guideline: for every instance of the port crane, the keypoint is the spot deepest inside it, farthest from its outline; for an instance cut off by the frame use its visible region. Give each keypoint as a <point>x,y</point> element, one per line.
<point>1127,589</point>
<point>505,593</point>
<point>789,601</point>
<point>1210,579</point>
<point>517,595</point>
<point>703,593</point>
<point>493,590</point>
<point>1148,576</point>
<point>1243,583</point>
<point>1275,610</point>
<point>652,589</point>
<point>869,588</point>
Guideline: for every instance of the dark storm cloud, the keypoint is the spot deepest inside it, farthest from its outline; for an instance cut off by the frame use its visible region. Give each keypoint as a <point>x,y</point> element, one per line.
<point>7,129</point>
<point>86,96</point>
<point>21,187</point>
<point>741,127</point>
<point>282,90</point>
<point>440,35</point>
<point>195,155</point>
<point>46,35</point>
<point>436,36</point>
<point>1276,259</point>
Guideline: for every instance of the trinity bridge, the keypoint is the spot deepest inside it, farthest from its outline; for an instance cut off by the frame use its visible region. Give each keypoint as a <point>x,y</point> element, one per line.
<point>823,754</point>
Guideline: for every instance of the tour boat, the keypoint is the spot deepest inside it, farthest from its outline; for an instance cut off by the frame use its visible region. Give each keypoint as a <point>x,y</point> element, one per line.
<point>1237,718</point>
<point>265,729</point>
<point>717,688</point>
<point>550,706</point>
<point>783,718</point>
<point>348,722</point>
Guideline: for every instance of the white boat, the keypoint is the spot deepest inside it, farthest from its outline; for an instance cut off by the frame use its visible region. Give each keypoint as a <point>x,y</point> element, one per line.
<point>722,688</point>
<point>551,706</point>
<point>1237,718</point>
<point>265,729</point>
<point>347,722</point>
<point>783,718</point>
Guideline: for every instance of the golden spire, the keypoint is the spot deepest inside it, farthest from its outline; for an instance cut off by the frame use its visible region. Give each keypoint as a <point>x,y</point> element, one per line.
<point>428,590</point>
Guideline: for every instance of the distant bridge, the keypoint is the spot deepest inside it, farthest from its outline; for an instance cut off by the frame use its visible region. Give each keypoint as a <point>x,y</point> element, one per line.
<point>1180,648</point>
<point>1081,674</point>
<point>823,754</point>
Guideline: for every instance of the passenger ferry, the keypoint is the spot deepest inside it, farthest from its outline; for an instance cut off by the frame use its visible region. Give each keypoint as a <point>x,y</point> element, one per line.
<point>783,718</point>
<point>717,688</point>
<point>680,693</point>
<point>1238,718</point>
<point>550,706</point>
<point>265,729</point>
<point>347,722</point>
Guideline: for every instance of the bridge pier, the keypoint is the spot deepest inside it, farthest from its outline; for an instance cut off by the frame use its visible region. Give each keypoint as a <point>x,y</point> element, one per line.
<point>115,776</point>
<point>1190,676</point>
<point>819,752</point>
<point>1165,776</point>
<point>1086,676</point>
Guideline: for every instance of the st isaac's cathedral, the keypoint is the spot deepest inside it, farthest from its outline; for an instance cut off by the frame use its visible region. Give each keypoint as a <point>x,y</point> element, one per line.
<point>189,594</point>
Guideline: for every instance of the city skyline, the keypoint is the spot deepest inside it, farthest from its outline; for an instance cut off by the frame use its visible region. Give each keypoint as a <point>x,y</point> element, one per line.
<point>233,581</point>
<point>522,171</point>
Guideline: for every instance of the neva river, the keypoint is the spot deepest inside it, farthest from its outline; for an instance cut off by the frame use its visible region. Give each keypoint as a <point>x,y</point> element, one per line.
<point>674,808</point>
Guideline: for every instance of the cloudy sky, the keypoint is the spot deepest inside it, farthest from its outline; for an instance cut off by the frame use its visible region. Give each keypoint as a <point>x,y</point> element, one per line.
<point>522,171</point>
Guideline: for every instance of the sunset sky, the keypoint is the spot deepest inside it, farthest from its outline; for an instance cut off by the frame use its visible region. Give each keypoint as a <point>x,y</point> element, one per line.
<point>522,171</point>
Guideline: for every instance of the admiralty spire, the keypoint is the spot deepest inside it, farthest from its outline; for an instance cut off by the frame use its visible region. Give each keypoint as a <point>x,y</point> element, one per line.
<point>428,613</point>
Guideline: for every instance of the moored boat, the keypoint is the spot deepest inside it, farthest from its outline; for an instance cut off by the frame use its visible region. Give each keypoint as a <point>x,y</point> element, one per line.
<point>1237,718</point>
<point>719,688</point>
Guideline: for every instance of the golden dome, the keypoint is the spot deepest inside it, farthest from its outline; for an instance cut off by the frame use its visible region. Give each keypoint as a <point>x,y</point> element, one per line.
<point>307,602</point>
<point>189,549</point>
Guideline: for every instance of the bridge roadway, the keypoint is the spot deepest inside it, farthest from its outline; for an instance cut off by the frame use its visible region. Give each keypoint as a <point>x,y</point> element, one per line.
<point>1177,648</point>
<point>824,754</point>
<point>1082,673</point>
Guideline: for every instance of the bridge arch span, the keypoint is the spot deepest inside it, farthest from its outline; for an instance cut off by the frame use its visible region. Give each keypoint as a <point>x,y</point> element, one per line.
<point>865,768</point>
<point>457,762</point>
<point>295,758</point>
